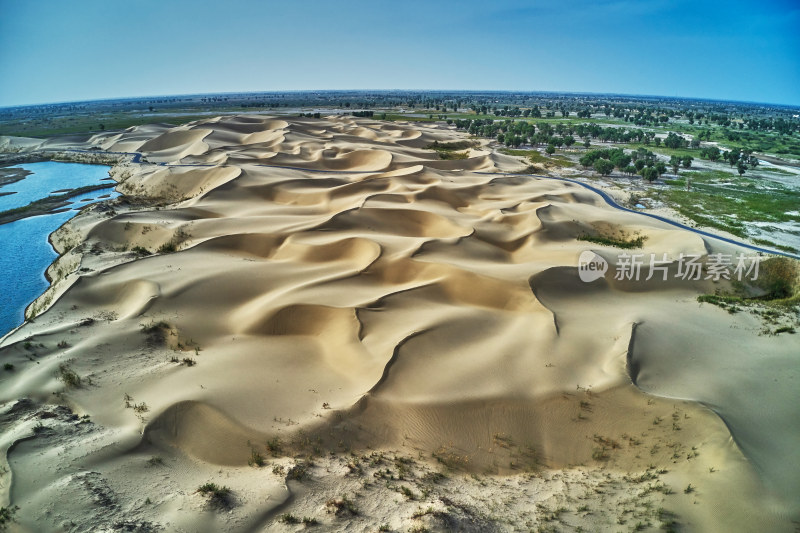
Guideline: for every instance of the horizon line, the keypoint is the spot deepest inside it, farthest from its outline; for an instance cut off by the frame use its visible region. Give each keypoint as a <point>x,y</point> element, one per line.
<point>498,91</point>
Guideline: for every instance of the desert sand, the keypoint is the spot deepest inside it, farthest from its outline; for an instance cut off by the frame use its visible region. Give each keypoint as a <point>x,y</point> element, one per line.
<point>401,340</point>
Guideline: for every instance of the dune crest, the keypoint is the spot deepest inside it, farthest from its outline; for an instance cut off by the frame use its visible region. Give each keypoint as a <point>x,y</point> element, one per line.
<point>301,287</point>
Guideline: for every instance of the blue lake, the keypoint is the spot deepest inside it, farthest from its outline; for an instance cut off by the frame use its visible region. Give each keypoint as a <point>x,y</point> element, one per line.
<point>47,177</point>
<point>25,252</point>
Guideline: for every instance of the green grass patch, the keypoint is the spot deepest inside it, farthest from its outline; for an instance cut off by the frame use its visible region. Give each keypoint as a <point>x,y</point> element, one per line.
<point>721,200</point>
<point>447,150</point>
<point>537,158</point>
<point>451,145</point>
<point>663,150</point>
<point>401,117</point>
<point>618,239</point>
<point>50,126</point>
<point>765,242</point>
<point>778,279</point>
<point>775,170</point>
<point>219,497</point>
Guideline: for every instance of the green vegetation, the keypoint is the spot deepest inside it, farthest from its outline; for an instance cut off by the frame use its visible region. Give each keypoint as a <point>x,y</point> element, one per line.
<point>49,126</point>
<point>777,170</point>
<point>7,516</point>
<point>341,507</point>
<point>664,150</point>
<point>448,150</point>
<point>722,200</point>
<point>153,326</point>
<point>779,281</point>
<point>298,472</point>
<point>452,155</point>
<point>219,497</point>
<point>617,239</point>
<point>168,247</point>
<point>274,446</point>
<point>288,518</point>
<point>256,459</point>
<point>536,158</point>
<point>68,376</point>
<point>141,251</point>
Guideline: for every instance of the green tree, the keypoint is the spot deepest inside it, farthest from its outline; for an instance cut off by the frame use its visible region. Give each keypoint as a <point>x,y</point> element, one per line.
<point>603,167</point>
<point>550,149</point>
<point>732,157</point>
<point>650,174</point>
<point>675,163</point>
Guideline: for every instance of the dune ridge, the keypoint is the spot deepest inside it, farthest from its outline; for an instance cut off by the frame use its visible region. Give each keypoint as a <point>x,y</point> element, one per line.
<point>412,305</point>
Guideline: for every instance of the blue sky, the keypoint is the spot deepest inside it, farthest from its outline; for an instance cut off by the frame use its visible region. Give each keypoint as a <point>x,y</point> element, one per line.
<point>55,50</point>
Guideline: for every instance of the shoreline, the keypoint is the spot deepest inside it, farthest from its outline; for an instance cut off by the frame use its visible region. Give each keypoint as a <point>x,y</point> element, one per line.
<point>55,205</point>
<point>49,204</point>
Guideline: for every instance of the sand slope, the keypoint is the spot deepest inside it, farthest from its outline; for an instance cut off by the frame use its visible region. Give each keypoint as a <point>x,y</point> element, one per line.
<point>398,303</point>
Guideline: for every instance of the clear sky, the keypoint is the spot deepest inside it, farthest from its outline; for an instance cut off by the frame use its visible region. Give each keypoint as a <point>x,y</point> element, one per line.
<point>59,50</point>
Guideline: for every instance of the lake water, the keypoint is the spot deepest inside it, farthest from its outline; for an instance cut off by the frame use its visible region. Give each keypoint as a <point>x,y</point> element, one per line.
<point>25,252</point>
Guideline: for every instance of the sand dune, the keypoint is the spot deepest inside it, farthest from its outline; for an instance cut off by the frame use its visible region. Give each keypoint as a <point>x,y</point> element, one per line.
<point>401,303</point>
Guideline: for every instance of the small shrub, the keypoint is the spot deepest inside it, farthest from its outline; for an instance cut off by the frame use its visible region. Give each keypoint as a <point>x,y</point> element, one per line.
<point>341,507</point>
<point>218,496</point>
<point>288,518</point>
<point>408,493</point>
<point>600,454</point>
<point>433,477</point>
<point>155,461</point>
<point>8,367</point>
<point>256,459</point>
<point>309,521</point>
<point>68,376</point>
<point>140,250</point>
<point>168,247</point>
<point>274,446</point>
<point>154,326</point>
<point>7,515</point>
<point>689,489</point>
<point>298,472</point>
